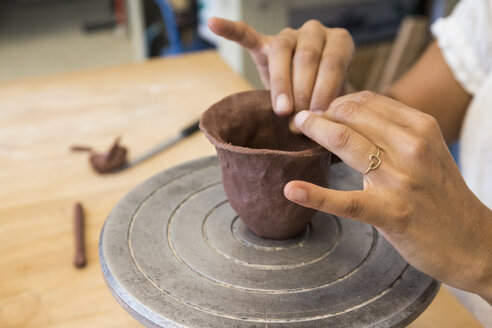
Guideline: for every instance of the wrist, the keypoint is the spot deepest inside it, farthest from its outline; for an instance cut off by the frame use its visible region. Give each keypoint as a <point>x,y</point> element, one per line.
<point>485,280</point>
<point>484,276</point>
<point>486,291</point>
<point>472,258</point>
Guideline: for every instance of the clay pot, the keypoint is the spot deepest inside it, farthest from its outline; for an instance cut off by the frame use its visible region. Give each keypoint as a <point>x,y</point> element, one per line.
<point>259,155</point>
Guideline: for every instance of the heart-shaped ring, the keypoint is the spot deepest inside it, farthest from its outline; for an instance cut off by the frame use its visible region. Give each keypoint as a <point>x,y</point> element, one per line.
<point>375,161</point>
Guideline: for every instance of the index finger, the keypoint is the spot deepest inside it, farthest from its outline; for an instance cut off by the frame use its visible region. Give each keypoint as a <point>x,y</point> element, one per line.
<point>238,32</point>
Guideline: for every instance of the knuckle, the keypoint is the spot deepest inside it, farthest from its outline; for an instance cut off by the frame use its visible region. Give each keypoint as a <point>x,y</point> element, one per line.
<point>320,203</point>
<point>428,123</point>
<point>341,32</point>
<point>308,54</point>
<point>333,62</point>
<point>353,208</point>
<point>339,139</point>
<point>282,43</point>
<point>287,31</point>
<point>312,24</point>
<point>344,110</point>
<point>400,221</point>
<point>344,34</point>
<point>365,96</point>
<point>301,99</point>
<point>406,183</point>
<point>279,80</point>
<point>417,148</point>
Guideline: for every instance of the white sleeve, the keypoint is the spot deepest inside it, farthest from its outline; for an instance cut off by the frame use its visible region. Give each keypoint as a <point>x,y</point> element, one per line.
<point>465,40</point>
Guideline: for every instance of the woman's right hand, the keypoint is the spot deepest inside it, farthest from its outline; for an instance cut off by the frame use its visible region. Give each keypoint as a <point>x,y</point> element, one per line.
<point>305,69</point>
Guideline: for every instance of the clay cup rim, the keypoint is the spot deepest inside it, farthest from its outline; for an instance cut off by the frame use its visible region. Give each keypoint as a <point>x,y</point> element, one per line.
<point>231,114</point>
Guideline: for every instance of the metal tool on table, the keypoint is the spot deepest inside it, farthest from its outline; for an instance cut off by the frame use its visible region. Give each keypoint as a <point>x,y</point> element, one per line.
<point>174,254</point>
<point>189,130</point>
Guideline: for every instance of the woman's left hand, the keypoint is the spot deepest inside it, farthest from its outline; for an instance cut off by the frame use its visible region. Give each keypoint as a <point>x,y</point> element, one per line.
<point>416,198</point>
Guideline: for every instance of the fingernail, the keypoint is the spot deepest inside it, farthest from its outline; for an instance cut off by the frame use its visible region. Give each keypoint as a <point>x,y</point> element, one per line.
<point>301,117</point>
<point>319,112</point>
<point>282,104</point>
<point>298,194</point>
<point>293,128</point>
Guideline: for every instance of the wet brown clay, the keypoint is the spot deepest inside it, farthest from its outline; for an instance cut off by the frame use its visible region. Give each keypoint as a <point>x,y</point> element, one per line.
<point>80,260</point>
<point>259,155</point>
<point>107,163</point>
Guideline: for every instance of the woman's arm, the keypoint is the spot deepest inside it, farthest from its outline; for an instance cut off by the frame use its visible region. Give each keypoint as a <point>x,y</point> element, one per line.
<point>431,87</point>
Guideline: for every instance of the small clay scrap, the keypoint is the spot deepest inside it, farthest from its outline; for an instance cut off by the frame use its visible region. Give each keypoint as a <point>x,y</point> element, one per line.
<point>106,162</point>
<point>78,230</point>
<point>80,148</point>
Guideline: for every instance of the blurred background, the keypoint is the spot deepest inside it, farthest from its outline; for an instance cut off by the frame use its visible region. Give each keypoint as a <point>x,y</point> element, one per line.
<point>42,37</point>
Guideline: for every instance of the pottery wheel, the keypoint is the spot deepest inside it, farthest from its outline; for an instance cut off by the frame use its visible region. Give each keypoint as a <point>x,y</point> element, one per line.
<point>174,254</point>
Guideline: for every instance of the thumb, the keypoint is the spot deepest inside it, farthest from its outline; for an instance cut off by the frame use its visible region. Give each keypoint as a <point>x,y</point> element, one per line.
<point>357,204</point>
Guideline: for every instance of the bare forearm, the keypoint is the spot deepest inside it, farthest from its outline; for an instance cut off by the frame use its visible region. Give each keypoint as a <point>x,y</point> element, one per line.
<point>430,86</point>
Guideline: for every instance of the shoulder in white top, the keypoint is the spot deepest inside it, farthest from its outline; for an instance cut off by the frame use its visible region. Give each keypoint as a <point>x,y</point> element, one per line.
<point>465,39</point>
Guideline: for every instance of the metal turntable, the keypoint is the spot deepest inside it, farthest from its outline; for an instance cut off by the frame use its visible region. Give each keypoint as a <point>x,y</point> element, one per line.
<point>175,254</point>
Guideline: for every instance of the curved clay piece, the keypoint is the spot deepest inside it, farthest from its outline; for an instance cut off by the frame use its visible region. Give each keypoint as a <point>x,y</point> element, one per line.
<point>259,155</point>
<point>107,163</point>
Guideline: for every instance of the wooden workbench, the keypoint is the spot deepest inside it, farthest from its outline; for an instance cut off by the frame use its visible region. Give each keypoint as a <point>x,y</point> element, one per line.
<point>40,180</point>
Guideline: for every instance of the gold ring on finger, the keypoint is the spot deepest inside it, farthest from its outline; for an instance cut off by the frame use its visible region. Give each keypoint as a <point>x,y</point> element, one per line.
<point>374,162</point>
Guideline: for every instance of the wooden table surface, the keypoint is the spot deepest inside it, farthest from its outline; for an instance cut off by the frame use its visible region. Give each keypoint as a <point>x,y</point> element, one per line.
<point>40,180</point>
